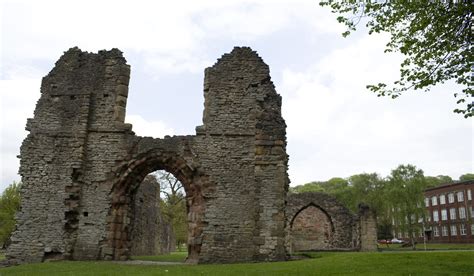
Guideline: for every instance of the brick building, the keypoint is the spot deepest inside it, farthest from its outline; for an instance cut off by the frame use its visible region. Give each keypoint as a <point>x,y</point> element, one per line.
<point>450,213</point>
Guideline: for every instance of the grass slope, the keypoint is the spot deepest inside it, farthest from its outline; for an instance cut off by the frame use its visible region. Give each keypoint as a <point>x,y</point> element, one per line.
<point>429,246</point>
<point>354,263</point>
<point>173,257</point>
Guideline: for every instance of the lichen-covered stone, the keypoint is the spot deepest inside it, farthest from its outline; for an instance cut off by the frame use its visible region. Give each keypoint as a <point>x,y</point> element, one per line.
<point>81,164</point>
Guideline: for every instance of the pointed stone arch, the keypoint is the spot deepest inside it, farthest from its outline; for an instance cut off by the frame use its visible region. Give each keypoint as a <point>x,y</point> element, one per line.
<point>343,225</point>
<point>130,174</point>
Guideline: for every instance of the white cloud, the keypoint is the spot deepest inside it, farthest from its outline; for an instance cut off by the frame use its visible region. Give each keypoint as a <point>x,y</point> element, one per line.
<point>338,128</point>
<point>174,35</point>
<point>17,101</point>
<point>142,127</point>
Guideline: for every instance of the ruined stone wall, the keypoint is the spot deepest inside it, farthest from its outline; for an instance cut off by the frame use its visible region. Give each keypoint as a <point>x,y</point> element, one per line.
<point>368,228</point>
<point>311,230</point>
<point>344,226</point>
<point>54,154</point>
<point>245,155</point>
<point>151,233</point>
<point>81,164</point>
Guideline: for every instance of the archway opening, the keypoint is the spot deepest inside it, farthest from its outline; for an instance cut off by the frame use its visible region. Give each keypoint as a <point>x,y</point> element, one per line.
<point>311,229</point>
<point>159,226</point>
<point>126,213</point>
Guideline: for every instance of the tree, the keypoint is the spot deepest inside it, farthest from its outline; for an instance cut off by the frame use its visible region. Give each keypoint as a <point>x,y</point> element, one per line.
<point>9,205</point>
<point>434,36</point>
<point>467,176</point>
<point>405,198</point>
<point>433,181</point>
<point>173,205</point>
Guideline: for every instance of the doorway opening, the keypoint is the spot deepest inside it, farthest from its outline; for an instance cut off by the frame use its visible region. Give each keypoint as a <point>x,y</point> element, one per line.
<point>137,204</point>
<point>159,229</point>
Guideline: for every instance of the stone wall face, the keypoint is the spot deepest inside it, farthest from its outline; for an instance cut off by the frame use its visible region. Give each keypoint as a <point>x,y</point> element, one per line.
<point>81,164</point>
<point>151,234</point>
<point>368,229</point>
<point>311,230</point>
<point>317,221</point>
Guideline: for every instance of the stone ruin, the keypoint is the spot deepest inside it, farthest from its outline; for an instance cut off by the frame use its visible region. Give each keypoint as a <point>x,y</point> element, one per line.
<point>152,233</point>
<point>318,222</point>
<point>82,166</point>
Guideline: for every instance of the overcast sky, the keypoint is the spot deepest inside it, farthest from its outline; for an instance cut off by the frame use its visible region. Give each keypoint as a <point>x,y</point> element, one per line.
<point>335,126</point>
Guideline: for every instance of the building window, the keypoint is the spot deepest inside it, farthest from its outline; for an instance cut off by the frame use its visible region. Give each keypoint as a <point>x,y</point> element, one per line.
<point>462,213</point>
<point>427,202</point>
<point>452,213</point>
<point>450,198</point>
<point>444,214</point>
<point>434,201</point>
<point>442,199</point>
<point>435,216</point>
<point>472,229</point>
<point>435,231</point>
<point>462,230</point>
<point>472,214</point>
<point>469,194</point>
<point>454,230</point>
<point>460,196</point>
<point>444,231</point>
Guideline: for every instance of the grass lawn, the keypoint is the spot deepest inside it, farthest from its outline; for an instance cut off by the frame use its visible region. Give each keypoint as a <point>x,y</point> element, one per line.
<point>173,257</point>
<point>429,246</point>
<point>348,263</point>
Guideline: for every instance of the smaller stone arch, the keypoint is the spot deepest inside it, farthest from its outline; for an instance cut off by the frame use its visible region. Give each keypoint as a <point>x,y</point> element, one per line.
<point>311,229</point>
<point>320,213</point>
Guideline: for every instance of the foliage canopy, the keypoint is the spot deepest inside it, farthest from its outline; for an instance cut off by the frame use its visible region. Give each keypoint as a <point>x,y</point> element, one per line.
<point>434,37</point>
<point>9,205</point>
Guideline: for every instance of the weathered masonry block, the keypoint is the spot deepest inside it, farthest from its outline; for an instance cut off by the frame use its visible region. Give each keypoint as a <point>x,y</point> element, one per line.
<point>81,165</point>
<point>317,221</point>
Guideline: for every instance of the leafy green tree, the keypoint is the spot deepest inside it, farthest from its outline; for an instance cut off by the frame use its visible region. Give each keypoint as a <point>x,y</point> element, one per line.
<point>173,205</point>
<point>433,181</point>
<point>9,205</point>
<point>308,187</point>
<point>467,176</point>
<point>434,36</point>
<point>405,188</point>
<point>368,189</point>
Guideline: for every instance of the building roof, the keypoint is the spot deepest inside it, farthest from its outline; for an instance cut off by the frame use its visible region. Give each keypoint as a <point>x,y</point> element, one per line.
<point>453,184</point>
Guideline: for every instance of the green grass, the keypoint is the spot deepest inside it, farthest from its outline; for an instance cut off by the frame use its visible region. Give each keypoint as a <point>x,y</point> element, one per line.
<point>429,246</point>
<point>331,263</point>
<point>173,257</point>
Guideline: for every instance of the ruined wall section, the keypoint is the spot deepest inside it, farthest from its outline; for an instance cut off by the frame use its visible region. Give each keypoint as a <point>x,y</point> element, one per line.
<point>245,211</point>
<point>108,144</point>
<point>81,164</point>
<point>345,232</point>
<point>53,155</point>
<point>367,228</point>
<point>151,233</point>
<point>311,230</point>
